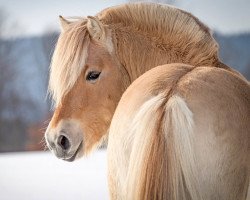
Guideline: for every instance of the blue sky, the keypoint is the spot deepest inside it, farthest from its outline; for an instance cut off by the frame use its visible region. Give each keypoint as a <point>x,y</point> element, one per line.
<point>36,16</point>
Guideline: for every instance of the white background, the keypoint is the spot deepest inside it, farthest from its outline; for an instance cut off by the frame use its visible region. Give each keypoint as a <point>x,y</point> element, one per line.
<point>41,176</point>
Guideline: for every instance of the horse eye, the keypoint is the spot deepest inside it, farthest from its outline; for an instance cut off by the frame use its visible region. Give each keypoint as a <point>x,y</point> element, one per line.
<point>93,75</point>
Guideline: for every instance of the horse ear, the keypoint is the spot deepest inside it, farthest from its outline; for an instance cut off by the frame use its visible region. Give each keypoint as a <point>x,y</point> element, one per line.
<point>95,28</point>
<point>64,23</point>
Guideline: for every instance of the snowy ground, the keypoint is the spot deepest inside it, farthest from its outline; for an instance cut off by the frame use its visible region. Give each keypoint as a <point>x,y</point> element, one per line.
<point>41,176</point>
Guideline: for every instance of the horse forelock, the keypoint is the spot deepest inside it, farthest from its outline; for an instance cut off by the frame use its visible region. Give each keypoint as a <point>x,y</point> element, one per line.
<point>68,59</point>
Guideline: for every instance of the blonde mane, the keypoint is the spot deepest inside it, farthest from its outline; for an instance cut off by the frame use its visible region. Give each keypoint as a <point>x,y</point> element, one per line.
<point>162,33</point>
<point>167,29</point>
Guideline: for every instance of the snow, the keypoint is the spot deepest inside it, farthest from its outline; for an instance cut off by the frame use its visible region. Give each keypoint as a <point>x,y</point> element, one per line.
<point>41,176</point>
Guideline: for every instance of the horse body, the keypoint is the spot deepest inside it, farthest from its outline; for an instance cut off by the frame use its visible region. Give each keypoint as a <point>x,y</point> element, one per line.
<point>179,138</point>
<point>97,58</point>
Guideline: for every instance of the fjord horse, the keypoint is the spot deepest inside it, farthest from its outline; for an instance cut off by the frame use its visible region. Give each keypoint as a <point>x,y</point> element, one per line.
<point>97,58</point>
<point>181,132</point>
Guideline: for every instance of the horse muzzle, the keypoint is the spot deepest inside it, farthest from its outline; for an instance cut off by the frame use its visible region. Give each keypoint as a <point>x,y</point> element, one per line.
<point>65,140</point>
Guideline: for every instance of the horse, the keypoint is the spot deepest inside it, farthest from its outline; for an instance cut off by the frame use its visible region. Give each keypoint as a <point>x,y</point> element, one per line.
<point>181,132</point>
<point>96,58</point>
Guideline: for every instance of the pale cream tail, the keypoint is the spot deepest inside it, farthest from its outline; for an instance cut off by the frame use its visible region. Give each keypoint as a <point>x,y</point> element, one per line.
<point>162,164</point>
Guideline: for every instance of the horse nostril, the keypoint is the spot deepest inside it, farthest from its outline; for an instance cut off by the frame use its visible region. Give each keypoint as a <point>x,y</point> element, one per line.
<point>63,142</point>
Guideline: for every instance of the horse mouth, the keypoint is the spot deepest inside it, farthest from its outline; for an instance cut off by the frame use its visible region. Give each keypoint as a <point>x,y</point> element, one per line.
<point>72,158</point>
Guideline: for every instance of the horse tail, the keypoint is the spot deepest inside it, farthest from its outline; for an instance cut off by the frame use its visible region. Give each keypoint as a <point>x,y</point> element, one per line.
<point>162,164</point>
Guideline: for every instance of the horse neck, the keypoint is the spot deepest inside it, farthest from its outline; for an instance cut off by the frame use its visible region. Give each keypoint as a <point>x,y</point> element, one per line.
<point>139,53</point>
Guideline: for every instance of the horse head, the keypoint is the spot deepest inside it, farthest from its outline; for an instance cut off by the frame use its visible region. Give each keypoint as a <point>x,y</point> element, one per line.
<point>86,83</point>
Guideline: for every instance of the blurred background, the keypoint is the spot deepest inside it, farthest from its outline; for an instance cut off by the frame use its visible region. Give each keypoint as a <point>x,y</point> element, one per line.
<point>28,33</point>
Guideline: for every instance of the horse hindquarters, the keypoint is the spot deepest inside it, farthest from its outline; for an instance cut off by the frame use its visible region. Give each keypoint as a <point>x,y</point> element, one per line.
<point>172,159</point>
<point>185,143</point>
